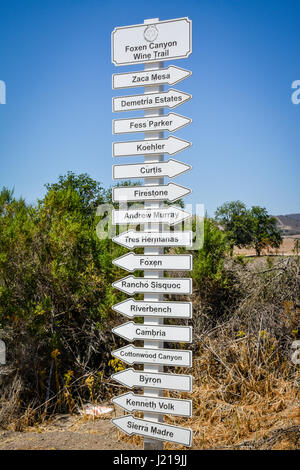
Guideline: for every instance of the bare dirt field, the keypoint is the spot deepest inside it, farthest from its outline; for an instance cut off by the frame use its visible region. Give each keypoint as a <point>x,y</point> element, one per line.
<point>286,249</point>
<point>66,432</point>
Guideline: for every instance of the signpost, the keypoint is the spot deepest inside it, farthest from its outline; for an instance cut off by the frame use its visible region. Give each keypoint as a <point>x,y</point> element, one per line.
<point>133,239</point>
<point>171,168</point>
<point>170,192</point>
<point>133,308</point>
<point>132,262</point>
<point>138,285</point>
<point>165,432</point>
<point>171,122</point>
<point>152,43</point>
<point>130,402</point>
<point>163,40</point>
<point>172,215</point>
<point>167,357</point>
<point>171,145</point>
<point>171,98</point>
<point>138,379</point>
<point>132,331</point>
<point>169,76</point>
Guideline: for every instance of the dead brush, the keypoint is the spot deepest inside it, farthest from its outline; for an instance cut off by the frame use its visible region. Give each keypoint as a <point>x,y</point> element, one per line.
<point>246,388</point>
<point>10,403</point>
<point>237,397</point>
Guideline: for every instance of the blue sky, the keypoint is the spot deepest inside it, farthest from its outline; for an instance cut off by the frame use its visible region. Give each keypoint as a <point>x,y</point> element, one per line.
<point>55,60</point>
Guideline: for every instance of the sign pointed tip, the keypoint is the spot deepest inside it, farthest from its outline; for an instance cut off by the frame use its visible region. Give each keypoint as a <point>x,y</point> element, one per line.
<point>121,423</point>
<point>176,434</point>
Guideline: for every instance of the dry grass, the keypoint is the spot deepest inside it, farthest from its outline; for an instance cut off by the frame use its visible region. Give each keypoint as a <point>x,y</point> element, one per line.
<point>10,402</point>
<point>246,392</point>
<point>239,402</point>
<point>238,398</point>
<point>287,248</point>
<point>246,388</point>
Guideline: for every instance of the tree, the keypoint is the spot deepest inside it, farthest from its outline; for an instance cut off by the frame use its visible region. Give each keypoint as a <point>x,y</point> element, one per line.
<point>236,221</point>
<point>209,273</point>
<point>90,192</point>
<point>264,230</point>
<point>245,228</point>
<point>55,285</point>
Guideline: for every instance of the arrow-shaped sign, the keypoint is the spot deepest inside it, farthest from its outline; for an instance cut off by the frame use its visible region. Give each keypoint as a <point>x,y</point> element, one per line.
<point>133,308</point>
<point>167,357</point>
<point>135,285</point>
<point>132,262</point>
<point>132,239</point>
<point>171,145</point>
<point>170,122</point>
<point>171,215</point>
<point>169,76</point>
<point>164,432</point>
<point>130,402</point>
<point>170,98</point>
<point>132,331</point>
<point>170,192</point>
<point>134,378</point>
<point>171,168</point>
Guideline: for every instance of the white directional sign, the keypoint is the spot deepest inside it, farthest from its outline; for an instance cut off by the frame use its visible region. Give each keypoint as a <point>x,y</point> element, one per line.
<point>171,145</point>
<point>135,285</point>
<point>164,40</point>
<point>146,219</point>
<point>133,308</point>
<point>170,98</point>
<point>132,239</point>
<point>164,432</point>
<point>168,357</point>
<point>135,378</point>
<point>132,331</point>
<point>130,402</point>
<point>170,122</point>
<point>171,215</point>
<point>171,168</point>
<point>169,76</point>
<point>170,192</point>
<point>132,262</point>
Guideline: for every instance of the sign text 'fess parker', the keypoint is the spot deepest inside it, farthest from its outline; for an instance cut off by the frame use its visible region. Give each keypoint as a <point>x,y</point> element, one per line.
<point>170,122</point>
<point>166,40</point>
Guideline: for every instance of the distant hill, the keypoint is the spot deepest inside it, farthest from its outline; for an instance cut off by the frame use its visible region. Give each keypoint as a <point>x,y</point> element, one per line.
<point>289,224</point>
